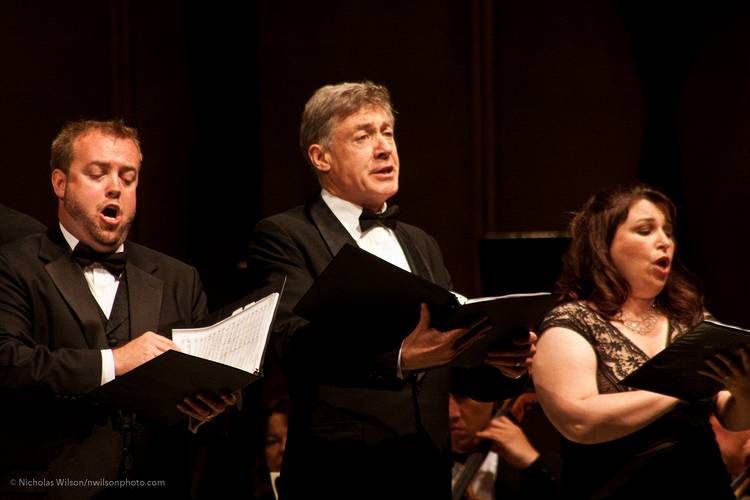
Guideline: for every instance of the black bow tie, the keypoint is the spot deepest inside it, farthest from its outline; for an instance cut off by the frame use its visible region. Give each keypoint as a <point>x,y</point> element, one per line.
<point>459,457</point>
<point>368,218</point>
<point>112,262</point>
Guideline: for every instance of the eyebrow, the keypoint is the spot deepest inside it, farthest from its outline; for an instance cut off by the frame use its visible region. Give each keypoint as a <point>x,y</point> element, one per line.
<point>104,164</point>
<point>667,222</point>
<point>371,125</point>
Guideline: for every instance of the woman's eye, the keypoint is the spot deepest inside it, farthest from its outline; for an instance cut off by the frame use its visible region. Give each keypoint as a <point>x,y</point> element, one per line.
<point>272,441</point>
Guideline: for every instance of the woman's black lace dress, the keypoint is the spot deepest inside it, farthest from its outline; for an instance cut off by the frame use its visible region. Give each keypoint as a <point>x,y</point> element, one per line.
<point>674,457</point>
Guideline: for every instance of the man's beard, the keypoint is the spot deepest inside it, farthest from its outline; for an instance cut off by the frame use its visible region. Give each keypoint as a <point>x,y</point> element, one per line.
<point>99,235</point>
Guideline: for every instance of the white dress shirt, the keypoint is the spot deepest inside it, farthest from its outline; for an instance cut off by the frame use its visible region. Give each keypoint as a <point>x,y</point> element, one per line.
<point>103,286</point>
<point>378,240</point>
<point>482,486</point>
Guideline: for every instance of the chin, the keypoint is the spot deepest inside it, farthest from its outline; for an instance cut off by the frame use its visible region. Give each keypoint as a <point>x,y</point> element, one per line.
<point>110,242</point>
<point>388,196</point>
<point>385,189</point>
<point>461,445</point>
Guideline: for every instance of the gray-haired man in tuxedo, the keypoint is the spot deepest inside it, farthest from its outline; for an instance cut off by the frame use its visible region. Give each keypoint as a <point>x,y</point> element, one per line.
<point>368,417</point>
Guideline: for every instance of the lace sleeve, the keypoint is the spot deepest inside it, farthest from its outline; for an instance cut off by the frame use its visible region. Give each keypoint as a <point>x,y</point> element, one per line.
<point>616,356</point>
<point>568,315</point>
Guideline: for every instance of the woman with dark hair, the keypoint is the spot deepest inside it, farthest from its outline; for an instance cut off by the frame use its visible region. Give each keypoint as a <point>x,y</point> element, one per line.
<point>625,299</point>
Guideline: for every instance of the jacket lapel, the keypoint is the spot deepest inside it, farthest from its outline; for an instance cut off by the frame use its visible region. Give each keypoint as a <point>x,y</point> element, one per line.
<point>333,232</point>
<point>69,280</point>
<point>414,255</point>
<point>336,236</point>
<point>145,292</point>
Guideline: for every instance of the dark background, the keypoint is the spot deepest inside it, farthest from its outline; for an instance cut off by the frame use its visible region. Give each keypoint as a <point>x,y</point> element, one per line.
<point>510,114</point>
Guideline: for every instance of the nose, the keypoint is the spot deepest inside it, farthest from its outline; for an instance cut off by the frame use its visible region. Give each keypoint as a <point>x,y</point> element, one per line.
<point>454,413</point>
<point>384,147</point>
<point>114,186</point>
<point>665,241</point>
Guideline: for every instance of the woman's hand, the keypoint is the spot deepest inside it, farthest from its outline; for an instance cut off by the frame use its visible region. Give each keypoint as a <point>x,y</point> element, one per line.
<point>731,371</point>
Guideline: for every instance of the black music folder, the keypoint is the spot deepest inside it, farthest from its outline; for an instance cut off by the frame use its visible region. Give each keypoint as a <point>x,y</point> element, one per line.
<point>225,352</point>
<point>357,285</point>
<point>674,371</point>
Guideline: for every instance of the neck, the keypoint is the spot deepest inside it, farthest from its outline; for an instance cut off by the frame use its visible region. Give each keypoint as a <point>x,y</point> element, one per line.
<point>638,306</point>
<point>374,205</point>
<point>82,237</point>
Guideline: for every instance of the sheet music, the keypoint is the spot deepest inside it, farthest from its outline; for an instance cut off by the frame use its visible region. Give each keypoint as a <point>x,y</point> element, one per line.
<point>237,341</point>
<point>510,296</point>
<point>463,300</point>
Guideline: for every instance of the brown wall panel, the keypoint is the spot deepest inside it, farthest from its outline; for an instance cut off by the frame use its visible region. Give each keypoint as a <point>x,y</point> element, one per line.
<point>421,51</point>
<point>713,134</point>
<point>53,70</point>
<point>511,113</point>
<point>569,111</point>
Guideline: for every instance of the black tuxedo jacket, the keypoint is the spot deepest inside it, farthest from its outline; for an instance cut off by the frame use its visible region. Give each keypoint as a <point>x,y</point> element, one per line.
<point>15,225</point>
<point>51,334</point>
<point>356,430</point>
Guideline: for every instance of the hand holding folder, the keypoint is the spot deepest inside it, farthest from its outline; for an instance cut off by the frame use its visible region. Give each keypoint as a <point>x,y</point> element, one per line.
<point>675,370</point>
<point>357,285</point>
<point>221,355</point>
<point>426,347</point>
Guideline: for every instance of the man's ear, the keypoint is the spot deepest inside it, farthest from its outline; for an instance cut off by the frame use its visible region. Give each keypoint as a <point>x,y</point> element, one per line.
<point>59,182</point>
<point>319,158</point>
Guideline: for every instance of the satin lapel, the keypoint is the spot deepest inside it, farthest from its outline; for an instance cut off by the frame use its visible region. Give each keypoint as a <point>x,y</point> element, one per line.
<point>69,280</point>
<point>414,255</point>
<point>333,232</point>
<point>145,293</point>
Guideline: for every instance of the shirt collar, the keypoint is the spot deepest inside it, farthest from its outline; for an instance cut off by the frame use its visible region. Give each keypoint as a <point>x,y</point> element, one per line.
<point>345,211</point>
<point>73,241</point>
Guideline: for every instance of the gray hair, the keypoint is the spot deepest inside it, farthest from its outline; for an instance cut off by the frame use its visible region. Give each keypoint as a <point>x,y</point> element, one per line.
<point>336,102</point>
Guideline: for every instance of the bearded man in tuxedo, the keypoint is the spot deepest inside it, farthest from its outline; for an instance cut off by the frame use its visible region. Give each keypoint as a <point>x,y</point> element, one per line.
<point>79,306</point>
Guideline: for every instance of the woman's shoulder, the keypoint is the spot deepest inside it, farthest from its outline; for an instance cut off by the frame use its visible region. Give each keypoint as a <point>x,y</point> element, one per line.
<point>574,315</point>
<point>570,309</point>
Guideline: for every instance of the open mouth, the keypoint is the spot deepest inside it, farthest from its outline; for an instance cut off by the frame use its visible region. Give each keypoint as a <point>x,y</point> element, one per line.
<point>662,263</point>
<point>383,170</point>
<point>110,214</point>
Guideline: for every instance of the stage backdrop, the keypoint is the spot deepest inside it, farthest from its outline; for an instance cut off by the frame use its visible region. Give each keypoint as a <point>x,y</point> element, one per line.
<point>509,115</point>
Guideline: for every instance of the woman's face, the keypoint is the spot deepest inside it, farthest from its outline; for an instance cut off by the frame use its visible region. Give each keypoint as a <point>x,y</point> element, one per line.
<point>275,441</point>
<point>642,249</point>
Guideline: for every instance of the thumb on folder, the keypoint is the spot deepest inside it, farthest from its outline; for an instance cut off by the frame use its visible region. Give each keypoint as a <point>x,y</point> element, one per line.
<point>427,347</point>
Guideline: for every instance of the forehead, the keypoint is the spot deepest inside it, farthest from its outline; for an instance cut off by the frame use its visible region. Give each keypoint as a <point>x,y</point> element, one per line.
<point>277,422</point>
<point>364,116</point>
<point>646,209</point>
<point>471,407</point>
<point>95,146</point>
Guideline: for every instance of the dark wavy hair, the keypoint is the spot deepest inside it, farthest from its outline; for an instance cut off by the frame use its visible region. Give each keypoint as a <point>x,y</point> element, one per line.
<point>590,274</point>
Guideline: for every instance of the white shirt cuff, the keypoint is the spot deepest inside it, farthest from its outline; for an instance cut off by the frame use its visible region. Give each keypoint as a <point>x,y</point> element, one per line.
<point>399,372</point>
<point>108,366</point>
